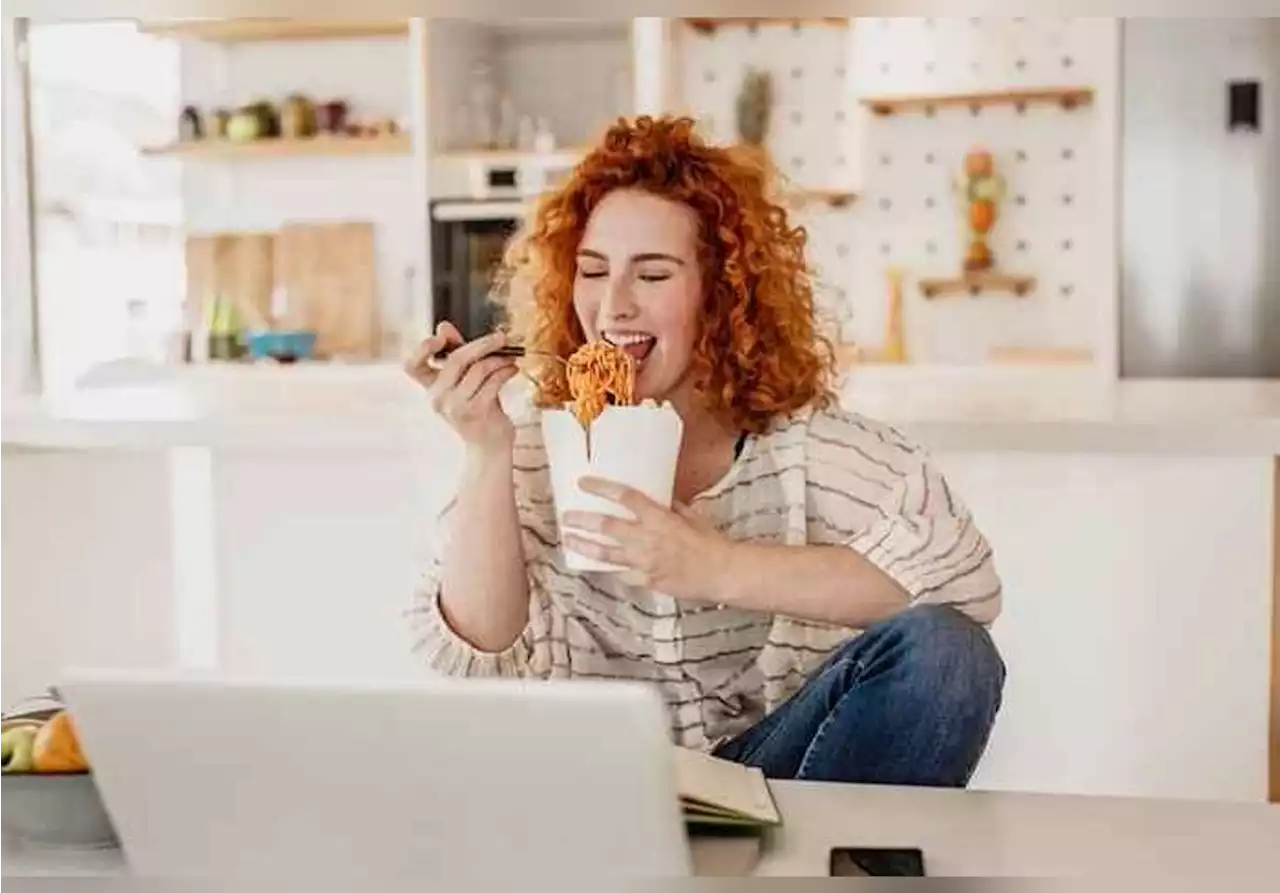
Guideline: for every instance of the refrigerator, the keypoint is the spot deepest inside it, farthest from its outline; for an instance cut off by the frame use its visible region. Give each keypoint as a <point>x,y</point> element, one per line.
<point>1200,198</point>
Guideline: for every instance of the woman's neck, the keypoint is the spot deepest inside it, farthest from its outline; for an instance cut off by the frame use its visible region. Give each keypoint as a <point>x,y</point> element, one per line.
<point>707,450</point>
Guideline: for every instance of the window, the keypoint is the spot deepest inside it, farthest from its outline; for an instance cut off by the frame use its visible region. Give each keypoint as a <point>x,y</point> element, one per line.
<point>109,267</point>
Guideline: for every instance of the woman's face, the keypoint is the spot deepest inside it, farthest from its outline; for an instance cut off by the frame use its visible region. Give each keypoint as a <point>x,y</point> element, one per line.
<point>638,285</point>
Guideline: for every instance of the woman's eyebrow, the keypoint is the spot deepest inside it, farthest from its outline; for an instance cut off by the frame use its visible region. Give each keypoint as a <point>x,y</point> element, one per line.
<point>638,258</point>
<point>657,255</point>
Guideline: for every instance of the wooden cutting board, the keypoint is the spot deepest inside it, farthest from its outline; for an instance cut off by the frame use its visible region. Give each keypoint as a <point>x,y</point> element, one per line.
<point>328,275</point>
<point>235,266</point>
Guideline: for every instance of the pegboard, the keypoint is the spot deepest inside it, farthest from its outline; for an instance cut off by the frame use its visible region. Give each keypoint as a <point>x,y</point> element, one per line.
<point>811,137</point>
<point>1056,220</point>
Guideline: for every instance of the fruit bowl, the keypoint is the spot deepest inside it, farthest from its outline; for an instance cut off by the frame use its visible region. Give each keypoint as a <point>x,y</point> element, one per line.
<point>50,799</point>
<point>55,809</point>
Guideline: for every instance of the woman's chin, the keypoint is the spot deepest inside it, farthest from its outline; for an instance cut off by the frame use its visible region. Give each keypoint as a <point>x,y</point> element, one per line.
<point>656,394</point>
<point>654,382</point>
<point>643,393</point>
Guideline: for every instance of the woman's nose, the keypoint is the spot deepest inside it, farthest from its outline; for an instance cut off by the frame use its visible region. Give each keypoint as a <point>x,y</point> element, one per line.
<point>619,303</point>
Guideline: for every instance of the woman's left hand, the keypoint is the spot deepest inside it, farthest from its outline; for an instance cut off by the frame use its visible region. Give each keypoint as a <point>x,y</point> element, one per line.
<point>671,551</point>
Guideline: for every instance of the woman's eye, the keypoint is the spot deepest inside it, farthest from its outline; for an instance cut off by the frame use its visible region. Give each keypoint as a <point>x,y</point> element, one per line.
<point>654,277</point>
<point>593,274</point>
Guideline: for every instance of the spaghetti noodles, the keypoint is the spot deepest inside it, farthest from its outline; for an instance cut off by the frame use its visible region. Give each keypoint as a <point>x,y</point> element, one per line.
<point>597,371</point>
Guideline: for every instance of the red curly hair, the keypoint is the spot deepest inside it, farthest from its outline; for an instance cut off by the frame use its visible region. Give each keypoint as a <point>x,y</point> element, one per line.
<point>758,354</point>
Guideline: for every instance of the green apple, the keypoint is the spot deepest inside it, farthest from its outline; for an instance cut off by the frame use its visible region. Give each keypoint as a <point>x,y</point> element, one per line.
<point>17,745</point>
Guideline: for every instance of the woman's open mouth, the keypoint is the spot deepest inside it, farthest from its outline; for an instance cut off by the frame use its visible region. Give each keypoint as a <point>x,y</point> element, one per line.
<point>637,344</point>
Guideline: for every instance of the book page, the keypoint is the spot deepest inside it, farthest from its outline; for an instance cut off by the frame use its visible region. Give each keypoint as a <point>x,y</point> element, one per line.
<point>724,785</point>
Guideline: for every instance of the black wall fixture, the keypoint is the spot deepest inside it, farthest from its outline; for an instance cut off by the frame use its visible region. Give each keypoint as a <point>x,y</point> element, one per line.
<point>1244,106</point>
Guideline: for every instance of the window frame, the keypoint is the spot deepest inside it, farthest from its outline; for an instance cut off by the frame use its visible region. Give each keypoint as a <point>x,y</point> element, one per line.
<point>20,300</point>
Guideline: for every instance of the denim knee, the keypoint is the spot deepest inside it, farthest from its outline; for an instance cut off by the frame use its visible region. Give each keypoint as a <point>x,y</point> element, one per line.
<point>946,645</point>
<point>936,647</point>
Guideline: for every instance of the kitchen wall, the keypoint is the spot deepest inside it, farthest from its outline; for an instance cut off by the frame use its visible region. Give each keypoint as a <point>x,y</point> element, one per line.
<point>1057,222</point>
<point>456,47</point>
<point>373,75</point>
<point>572,76</point>
<point>540,64</point>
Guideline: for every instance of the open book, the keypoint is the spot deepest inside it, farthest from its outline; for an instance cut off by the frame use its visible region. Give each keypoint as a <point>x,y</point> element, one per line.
<point>720,793</point>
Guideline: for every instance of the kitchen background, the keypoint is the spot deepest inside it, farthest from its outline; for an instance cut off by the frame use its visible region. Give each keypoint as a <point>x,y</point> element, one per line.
<point>1129,236</point>
<point>194,522</point>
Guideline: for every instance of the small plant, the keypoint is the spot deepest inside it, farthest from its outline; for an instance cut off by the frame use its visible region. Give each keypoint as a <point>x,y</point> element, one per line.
<point>755,107</point>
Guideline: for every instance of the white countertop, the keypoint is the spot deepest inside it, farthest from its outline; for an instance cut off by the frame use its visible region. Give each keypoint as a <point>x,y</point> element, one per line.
<point>376,408</point>
<point>961,833</point>
<point>996,834</point>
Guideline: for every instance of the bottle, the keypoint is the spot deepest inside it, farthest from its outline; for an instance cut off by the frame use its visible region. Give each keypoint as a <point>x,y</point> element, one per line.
<point>481,107</point>
<point>526,134</point>
<point>544,140</point>
<point>508,123</point>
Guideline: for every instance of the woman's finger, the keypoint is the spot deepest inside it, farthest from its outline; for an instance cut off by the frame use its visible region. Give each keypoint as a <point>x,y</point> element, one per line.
<point>628,497</point>
<point>691,516</point>
<point>597,551</point>
<point>418,364</point>
<point>456,366</point>
<point>449,332</point>
<point>594,522</point>
<point>488,392</point>
<point>469,386</point>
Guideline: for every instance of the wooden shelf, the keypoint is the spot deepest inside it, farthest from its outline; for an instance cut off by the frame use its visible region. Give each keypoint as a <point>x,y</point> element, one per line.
<point>1067,97</point>
<point>227,150</point>
<point>976,283</point>
<point>250,30</point>
<point>832,198</point>
<point>709,26</point>
<point>1053,356</point>
<point>566,156</point>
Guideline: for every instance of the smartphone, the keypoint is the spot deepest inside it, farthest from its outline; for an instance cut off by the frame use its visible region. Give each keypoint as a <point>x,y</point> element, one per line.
<point>877,862</point>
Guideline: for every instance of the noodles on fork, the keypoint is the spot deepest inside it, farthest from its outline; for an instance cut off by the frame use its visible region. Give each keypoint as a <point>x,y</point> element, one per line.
<point>597,371</point>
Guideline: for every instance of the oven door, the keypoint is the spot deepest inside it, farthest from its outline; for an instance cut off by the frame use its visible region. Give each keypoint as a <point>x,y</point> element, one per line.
<point>468,239</point>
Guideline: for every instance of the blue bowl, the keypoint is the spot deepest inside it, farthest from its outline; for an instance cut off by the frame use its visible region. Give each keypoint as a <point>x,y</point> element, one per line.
<point>284,346</point>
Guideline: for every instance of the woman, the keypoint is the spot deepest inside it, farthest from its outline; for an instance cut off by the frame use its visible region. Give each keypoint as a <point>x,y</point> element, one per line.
<point>815,602</point>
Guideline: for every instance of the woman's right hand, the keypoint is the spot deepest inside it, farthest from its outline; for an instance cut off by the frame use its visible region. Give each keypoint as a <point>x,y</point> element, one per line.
<point>464,387</point>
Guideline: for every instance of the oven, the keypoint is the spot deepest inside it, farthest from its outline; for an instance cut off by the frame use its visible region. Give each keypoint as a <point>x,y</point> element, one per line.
<point>468,238</point>
<point>478,202</point>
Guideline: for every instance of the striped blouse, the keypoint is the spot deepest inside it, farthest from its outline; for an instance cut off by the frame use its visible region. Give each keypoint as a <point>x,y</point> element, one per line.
<point>826,476</point>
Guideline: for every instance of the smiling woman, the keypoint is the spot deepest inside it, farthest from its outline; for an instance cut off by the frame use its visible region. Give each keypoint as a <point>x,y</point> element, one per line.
<point>814,603</point>
<point>644,246</point>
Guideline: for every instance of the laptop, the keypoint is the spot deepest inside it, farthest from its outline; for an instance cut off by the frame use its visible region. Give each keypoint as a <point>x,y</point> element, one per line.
<point>400,782</point>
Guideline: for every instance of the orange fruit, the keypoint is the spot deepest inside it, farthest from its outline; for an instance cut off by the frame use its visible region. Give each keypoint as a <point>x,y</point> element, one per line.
<point>57,748</point>
<point>979,163</point>
<point>982,214</point>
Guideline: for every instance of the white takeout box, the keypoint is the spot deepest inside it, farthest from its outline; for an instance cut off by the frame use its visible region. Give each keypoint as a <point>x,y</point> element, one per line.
<point>633,445</point>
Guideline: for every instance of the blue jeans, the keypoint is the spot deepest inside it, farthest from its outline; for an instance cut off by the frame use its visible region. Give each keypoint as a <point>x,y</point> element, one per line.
<point>911,701</point>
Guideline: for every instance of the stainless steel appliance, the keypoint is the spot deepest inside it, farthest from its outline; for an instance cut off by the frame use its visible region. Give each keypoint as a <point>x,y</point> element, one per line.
<point>1200,203</point>
<point>478,202</point>
<point>467,242</point>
